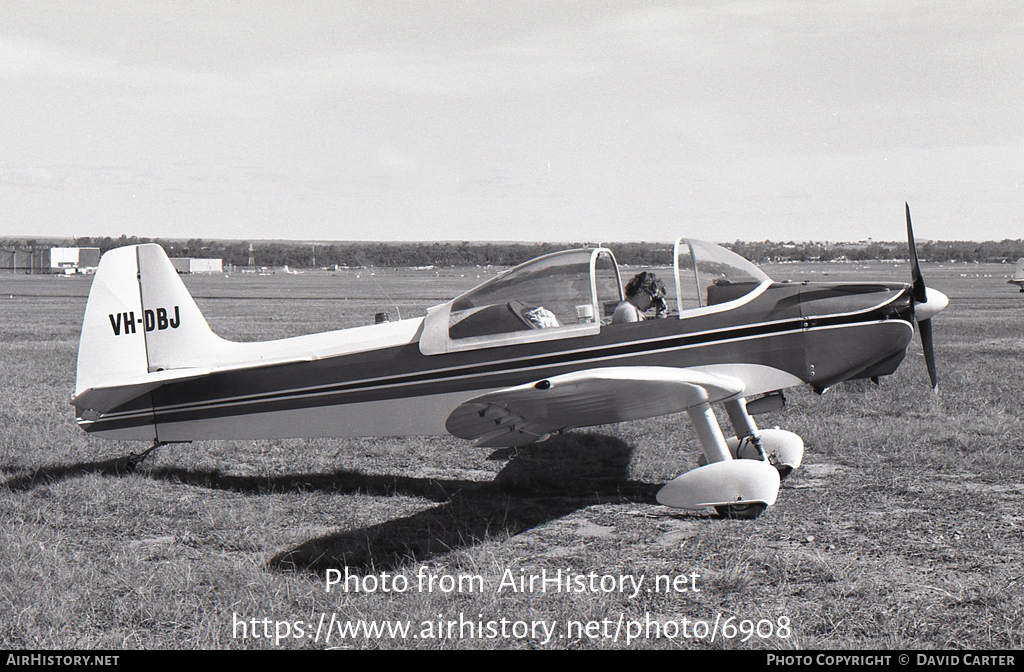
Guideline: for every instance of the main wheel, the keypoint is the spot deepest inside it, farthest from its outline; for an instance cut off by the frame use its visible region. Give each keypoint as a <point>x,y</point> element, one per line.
<point>741,511</point>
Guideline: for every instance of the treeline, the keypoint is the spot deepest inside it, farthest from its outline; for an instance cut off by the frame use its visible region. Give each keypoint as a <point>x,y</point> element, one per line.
<point>935,250</point>
<point>397,254</point>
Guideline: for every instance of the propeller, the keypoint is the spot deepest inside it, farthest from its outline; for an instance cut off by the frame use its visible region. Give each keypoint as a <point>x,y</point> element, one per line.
<point>927,302</point>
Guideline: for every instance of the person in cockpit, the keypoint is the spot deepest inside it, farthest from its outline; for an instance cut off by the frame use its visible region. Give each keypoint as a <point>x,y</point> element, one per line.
<point>643,292</point>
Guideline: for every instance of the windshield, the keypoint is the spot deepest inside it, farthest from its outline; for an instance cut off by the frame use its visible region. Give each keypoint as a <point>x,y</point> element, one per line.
<point>708,274</point>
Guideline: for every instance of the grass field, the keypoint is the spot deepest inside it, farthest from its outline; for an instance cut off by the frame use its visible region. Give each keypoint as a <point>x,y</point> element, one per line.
<point>903,529</point>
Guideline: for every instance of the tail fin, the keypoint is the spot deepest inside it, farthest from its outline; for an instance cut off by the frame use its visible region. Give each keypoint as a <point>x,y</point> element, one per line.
<point>141,328</point>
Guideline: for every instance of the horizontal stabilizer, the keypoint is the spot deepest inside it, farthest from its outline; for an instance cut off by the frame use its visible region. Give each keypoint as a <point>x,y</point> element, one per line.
<point>103,399</point>
<point>525,413</point>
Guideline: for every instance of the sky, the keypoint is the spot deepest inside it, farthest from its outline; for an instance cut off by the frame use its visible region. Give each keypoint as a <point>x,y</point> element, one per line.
<point>498,120</point>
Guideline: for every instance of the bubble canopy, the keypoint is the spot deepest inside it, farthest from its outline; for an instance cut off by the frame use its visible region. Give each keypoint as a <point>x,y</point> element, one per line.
<point>574,293</point>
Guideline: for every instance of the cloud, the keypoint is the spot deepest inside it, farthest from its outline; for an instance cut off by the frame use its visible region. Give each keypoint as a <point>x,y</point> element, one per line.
<point>30,58</point>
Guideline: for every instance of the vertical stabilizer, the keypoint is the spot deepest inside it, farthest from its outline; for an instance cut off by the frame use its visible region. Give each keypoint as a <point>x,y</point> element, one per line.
<point>112,347</point>
<point>140,319</point>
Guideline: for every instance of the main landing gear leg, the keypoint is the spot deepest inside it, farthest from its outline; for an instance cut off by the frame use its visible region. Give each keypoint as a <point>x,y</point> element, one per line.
<point>783,450</point>
<point>746,430</point>
<point>709,433</point>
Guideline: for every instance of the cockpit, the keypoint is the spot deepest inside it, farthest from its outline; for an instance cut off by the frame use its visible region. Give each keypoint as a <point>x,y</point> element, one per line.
<point>575,292</point>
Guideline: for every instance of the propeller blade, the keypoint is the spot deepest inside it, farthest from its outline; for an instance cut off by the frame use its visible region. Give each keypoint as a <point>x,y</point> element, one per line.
<point>929,353</point>
<point>920,295</point>
<point>921,298</point>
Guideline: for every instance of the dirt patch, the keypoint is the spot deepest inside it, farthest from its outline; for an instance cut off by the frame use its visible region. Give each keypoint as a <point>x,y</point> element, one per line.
<point>812,475</point>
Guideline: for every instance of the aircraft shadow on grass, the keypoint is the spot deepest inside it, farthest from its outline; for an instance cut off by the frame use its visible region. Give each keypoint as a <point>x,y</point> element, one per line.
<point>539,483</point>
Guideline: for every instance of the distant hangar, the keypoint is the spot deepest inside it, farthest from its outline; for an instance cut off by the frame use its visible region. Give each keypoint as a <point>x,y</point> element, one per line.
<point>186,265</point>
<point>72,260</point>
<point>56,260</point>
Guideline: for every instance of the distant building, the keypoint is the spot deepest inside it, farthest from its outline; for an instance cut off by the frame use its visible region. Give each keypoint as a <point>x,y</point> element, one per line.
<point>63,260</point>
<point>8,261</point>
<point>186,265</point>
<point>73,259</point>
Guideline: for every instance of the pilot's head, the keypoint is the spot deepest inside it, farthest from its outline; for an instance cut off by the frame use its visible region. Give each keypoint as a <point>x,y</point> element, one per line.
<point>649,284</point>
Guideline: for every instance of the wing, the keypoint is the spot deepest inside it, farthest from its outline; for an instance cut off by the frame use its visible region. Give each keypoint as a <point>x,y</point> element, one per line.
<point>520,415</point>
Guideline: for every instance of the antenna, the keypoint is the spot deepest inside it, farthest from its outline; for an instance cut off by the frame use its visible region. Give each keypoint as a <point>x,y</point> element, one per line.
<point>365,264</point>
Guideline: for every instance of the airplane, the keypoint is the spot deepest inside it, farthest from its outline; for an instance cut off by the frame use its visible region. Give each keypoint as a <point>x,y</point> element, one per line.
<point>484,368</point>
<point>1018,275</point>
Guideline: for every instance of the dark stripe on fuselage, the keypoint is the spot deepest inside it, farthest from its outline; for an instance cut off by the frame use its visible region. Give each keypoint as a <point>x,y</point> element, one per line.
<point>314,384</point>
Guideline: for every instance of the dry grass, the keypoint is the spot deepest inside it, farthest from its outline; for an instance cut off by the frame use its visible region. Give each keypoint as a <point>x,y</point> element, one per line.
<point>903,529</point>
